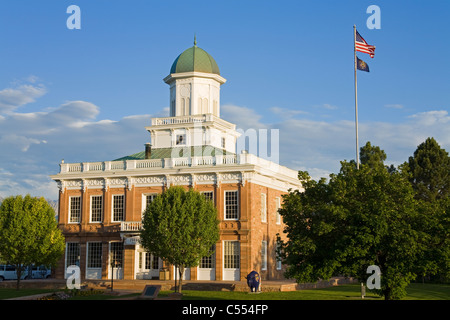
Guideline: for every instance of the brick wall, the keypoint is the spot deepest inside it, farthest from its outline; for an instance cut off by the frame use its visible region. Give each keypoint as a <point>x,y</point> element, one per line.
<point>249,230</point>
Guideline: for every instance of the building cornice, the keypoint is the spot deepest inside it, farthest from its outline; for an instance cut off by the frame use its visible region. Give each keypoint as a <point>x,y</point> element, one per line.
<point>173,76</point>
<point>241,169</point>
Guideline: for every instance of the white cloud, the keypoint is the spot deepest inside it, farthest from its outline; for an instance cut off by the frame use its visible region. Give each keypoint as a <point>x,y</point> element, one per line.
<point>16,141</point>
<point>12,98</point>
<point>329,106</point>
<point>431,118</point>
<point>33,144</point>
<point>32,79</point>
<point>394,106</point>
<point>286,113</point>
<point>243,117</point>
<point>74,111</point>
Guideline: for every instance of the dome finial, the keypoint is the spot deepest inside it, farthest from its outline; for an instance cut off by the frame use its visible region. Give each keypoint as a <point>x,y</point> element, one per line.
<point>195,40</point>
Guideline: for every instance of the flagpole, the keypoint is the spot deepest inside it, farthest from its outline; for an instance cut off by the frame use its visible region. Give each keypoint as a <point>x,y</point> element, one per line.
<point>356,98</point>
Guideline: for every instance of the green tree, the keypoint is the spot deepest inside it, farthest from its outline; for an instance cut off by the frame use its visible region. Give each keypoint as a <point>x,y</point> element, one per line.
<point>180,227</point>
<point>359,218</point>
<point>29,233</point>
<point>434,222</point>
<point>372,156</point>
<point>429,170</point>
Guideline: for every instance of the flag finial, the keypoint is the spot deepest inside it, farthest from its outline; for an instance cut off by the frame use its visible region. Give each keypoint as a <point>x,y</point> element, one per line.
<point>195,40</point>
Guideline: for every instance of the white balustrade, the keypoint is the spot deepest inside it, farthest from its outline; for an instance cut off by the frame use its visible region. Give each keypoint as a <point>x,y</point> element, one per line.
<point>150,164</point>
<point>153,163</point>
<point>183,119</point>
<point>117,165</point>
<point>130,226</point>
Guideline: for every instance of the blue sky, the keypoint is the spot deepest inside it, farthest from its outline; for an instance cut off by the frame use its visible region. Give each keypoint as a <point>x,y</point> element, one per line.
<point>86,95</point>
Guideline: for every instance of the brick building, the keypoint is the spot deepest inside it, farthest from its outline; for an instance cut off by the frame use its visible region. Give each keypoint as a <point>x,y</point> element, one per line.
<point>101,203</point>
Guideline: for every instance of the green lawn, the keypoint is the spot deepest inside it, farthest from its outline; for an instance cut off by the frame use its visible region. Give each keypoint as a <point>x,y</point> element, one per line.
<point>416,291</point>
<point>334,293</point>
<point>13,293</point>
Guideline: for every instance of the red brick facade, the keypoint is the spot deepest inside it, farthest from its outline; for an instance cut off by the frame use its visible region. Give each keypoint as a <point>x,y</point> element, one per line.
<point>249,229</point>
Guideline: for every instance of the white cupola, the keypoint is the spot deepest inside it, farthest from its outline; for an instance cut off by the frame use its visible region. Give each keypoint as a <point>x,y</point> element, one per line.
<point>194,119</point>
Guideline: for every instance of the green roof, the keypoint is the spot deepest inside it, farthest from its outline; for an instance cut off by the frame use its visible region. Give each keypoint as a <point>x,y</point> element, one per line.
<point>195,59</point>
<point>178,152</point>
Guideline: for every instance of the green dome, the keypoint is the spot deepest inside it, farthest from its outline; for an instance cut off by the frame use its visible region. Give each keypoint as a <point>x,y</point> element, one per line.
<point>195,59</point>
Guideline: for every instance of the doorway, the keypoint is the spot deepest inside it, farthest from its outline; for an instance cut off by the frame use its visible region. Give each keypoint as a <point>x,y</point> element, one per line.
<point>231,260</point>
<point>148,266</point>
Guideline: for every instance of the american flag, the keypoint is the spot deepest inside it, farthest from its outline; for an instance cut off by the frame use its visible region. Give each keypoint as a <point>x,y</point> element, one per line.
<point>362,46</point>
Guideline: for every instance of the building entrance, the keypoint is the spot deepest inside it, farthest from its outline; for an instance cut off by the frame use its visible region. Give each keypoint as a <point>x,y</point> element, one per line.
<point>148,266</point>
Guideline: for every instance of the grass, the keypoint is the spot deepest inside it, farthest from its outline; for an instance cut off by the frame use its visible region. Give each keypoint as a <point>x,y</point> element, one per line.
<point>419,291</point>
<point>416,291</point>
<point>347,292</point>
<point>13,293</point>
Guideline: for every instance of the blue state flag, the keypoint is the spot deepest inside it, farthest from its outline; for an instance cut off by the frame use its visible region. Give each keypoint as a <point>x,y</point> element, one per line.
<point>361,65</point>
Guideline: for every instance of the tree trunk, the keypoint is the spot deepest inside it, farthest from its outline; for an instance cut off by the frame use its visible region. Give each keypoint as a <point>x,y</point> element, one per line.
<point>175,275</point>
<point>19,275</point>
<point>180,271</point>
<point>387,294</point>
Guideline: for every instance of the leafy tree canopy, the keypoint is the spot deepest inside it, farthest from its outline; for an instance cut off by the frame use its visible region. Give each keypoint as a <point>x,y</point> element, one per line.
<point>29,233</point>
<point>429,170</point>
<point>358,218</point>
<point>180,227</point>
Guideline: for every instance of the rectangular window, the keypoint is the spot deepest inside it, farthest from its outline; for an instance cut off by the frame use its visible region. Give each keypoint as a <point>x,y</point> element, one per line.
<point>181,139</point>
<point>231,205</point>
<point>278,258</point>
<point>116,254</point>
<point>209,195</point>
<point>72,254</point>
<point>231,254</point>
<point>208,262</point>
<point>96,208</point>
<point>264,255</point>
<point>94,252</point>
<point>75,209</point>
<point>147,199</point>
<point>118,208</point>
<point>155,263</point>
<point>151,262</point>
<point>263,208</point>
<point>223,143</point>
<point>148,260</point>
<point>277,207</point>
